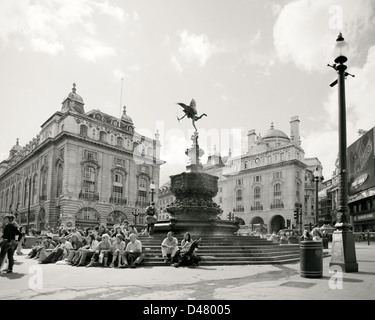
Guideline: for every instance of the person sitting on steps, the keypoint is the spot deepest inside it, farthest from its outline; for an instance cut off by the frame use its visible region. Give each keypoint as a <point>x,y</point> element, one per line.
<point>132,256</point>
<point>187,254</point>
<point>103,250</point>
<point>169,247</point>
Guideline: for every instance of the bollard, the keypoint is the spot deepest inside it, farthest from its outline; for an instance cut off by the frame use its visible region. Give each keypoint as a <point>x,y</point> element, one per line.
<point>311,259</point>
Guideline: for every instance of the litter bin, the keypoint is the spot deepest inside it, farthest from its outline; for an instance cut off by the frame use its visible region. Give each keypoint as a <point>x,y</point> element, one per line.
<point>311,259</point>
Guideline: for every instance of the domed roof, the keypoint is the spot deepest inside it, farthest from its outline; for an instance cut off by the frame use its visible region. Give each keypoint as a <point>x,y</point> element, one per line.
<point>17,147</point>
<point>125,117</point>
<point>274,133</point>
<point>73,102</point>
<point>75,96</point>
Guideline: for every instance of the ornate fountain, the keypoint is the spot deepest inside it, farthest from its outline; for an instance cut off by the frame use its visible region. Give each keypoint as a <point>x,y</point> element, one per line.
<point>194,210</point>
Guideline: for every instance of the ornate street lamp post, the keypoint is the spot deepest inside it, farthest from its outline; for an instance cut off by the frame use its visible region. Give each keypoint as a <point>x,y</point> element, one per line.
<point>152,188</point>
<point>135,213</point>
<point>343,249</point>
<point>317,177</point>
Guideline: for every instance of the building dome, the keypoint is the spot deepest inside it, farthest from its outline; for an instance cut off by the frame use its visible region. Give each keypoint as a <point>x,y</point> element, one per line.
<point>74,95</point>
<point>16,148</point>
<point>125,117</point>
<point>73,102</point>
<point>273,133</point>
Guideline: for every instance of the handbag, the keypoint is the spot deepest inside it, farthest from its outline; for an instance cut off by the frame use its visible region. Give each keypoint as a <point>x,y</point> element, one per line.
<point>151,219</point>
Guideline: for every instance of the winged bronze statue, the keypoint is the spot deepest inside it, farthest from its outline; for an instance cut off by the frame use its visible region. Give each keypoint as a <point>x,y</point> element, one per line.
<point>191,112</point>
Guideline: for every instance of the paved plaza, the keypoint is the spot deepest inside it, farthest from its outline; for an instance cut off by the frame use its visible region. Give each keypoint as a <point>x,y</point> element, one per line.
<point>31,280</point>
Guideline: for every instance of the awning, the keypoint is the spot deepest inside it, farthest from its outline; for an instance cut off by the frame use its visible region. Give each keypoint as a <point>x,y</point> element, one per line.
<point>362,195</point>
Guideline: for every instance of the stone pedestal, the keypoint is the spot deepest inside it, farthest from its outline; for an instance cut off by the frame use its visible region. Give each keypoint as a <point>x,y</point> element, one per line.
<point>343,249</point>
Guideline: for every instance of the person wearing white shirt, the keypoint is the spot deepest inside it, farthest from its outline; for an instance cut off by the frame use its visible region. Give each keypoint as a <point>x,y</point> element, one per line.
<point>132,256</point>
<point>169,247</point>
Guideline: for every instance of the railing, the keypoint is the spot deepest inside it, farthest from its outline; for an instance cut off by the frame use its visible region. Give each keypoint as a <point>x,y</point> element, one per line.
<point>89,196</point>
<point>118,200</point>
<point>277,205</point>
<point>253,208</point>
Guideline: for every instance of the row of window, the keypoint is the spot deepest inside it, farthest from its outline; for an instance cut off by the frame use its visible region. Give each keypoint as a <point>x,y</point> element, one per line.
<point>270,159</point>
<point>23,192</point>
<point>258,178</point>
<point>103,137</point>
<point>277,195</point>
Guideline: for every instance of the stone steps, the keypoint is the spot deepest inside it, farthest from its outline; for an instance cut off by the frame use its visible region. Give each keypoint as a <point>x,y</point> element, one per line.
<point>236,250</point>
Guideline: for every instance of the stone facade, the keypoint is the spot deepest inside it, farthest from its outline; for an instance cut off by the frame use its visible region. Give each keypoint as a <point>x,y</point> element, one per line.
<point>84,169</point>
<point>266,184</point>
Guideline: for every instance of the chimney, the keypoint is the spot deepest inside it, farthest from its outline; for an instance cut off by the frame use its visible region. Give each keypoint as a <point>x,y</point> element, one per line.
<point>250,139</point>
<point>294,130</point>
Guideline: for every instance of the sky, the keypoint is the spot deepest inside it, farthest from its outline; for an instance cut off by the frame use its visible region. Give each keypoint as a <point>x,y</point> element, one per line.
<point>246,63</point>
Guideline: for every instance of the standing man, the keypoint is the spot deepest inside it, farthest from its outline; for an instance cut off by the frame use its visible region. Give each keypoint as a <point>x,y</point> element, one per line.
<point>151,218</point>
<point>169,247</point>
<point>8,242</point>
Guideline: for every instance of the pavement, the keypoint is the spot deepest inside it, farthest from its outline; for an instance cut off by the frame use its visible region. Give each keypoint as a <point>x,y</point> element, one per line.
<point>33,281</point>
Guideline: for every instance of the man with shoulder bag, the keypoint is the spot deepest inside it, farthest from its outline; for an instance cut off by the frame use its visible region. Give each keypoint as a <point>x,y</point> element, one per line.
<point>151,218</point>
<point>9,242</point>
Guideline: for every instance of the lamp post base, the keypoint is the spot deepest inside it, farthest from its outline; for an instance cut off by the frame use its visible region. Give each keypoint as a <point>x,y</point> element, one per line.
<point>343,249</point>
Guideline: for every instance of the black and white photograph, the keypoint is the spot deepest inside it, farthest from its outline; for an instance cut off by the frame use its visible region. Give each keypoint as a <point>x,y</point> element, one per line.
<point>187,156</point>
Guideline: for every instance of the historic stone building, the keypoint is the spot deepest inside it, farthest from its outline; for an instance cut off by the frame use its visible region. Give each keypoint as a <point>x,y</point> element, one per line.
<point>266,184</point>
<point>165,198</point>
<point>81,170</point>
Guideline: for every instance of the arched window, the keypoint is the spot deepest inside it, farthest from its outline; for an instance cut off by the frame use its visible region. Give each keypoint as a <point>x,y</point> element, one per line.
<point>118,187</point>
<point>26,193</point>
<point>277,190</point>
<point>257,193</point>
<point>298,192</point>
<point>239,195</point>
<point>34,189</point>
<point>6,199</point>
<point>2,201</point>
<point>44,185</point>
<point>19,193</point>
<point>103,136</point>
<point>88,214</point>
<point>83,130</point>
<point>59,180</point>
<point>142,183</point>
<point>120,142</point>
<point>89,179</point>
<point>12,197</point>
<point>277,203</point>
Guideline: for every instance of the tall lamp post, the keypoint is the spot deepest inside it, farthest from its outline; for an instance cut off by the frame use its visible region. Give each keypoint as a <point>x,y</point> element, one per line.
<point>152,188</point>
<point>135,213</point>
<point>343,249</point>
<point>317,178</point>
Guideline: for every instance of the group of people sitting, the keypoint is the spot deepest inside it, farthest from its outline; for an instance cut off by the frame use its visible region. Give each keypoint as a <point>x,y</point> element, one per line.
<point>118,248</point>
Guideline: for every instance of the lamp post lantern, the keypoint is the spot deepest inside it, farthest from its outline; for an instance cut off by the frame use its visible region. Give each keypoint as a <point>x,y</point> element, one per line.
<point>317,177</point>
<point>152,188</point>
<point>135,213</point>
<point>343,249</point>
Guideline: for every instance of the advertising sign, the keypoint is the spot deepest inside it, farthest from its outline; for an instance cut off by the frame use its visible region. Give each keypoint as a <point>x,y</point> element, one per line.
<point>361,163</point>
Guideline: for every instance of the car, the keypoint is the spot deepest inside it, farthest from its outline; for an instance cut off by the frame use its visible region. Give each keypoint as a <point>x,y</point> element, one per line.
<point>290,236</point>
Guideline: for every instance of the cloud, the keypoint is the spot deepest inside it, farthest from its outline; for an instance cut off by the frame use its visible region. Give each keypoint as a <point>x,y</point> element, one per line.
<point>305,30</point>
<point>92,49</point>
<point>112,11</point>
<point>51,25</point>
<point>195,47</point>
<point>52,48</point>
